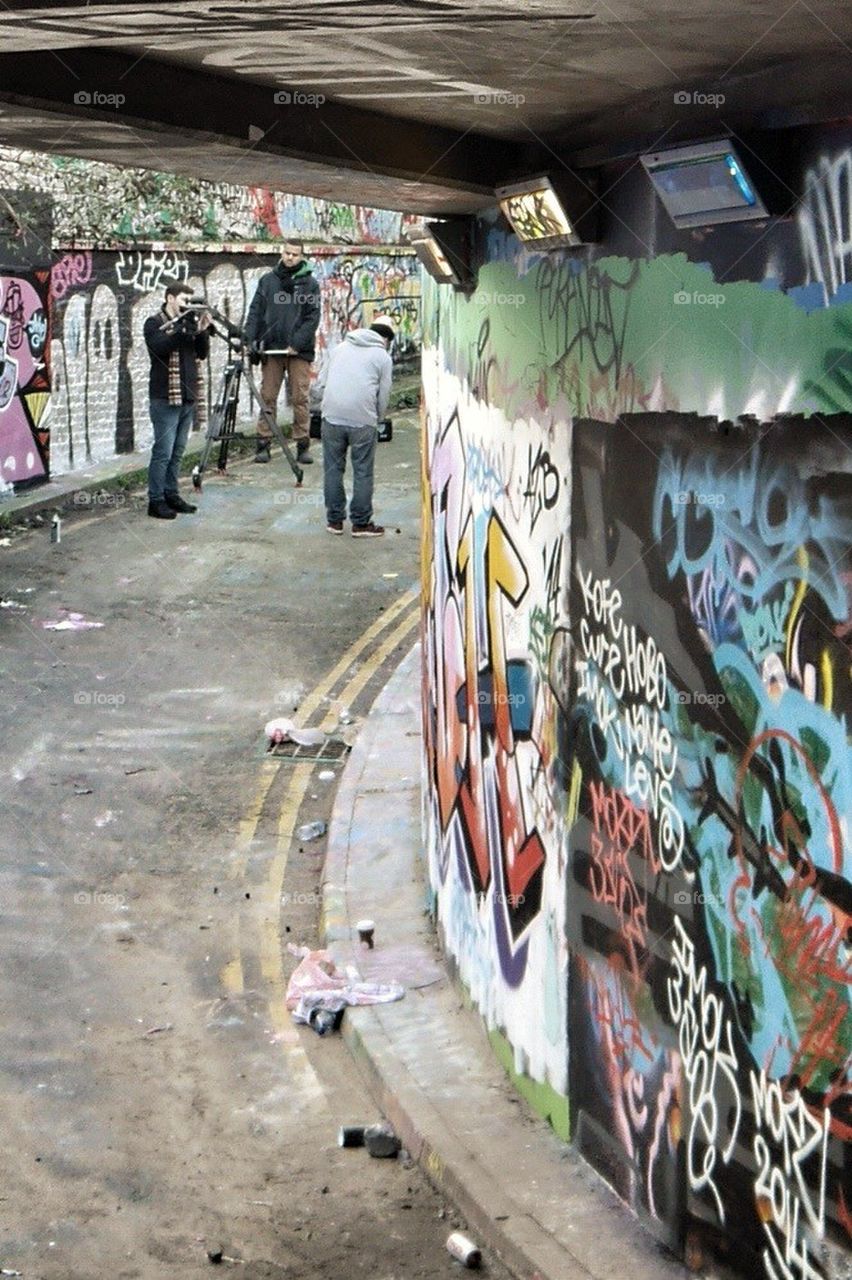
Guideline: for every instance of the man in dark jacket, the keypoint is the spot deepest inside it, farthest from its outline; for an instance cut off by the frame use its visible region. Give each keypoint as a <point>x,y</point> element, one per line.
<point>280,329</point>
<point>174,349</point>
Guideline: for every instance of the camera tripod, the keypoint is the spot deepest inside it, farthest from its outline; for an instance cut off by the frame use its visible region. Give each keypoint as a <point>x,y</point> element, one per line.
<point>222,426</point>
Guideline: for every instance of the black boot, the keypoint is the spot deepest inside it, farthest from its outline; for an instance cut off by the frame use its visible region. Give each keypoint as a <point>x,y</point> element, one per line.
<point>161,510</point>
<point>303,453</point>
<point>177,503</point>
<point>264,451</point>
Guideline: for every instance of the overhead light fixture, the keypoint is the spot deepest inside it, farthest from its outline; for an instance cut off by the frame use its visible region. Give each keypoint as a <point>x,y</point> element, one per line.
<point>704,184</point>
<point>444,249</point>
<point>551,212</point>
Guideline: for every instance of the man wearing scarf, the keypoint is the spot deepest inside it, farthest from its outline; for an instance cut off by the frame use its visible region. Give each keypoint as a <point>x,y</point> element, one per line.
<point>280,330</point>
<point>175,344</point>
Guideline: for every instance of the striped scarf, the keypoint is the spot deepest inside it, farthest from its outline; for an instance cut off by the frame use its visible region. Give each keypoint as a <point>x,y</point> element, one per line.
<point>175,392</point>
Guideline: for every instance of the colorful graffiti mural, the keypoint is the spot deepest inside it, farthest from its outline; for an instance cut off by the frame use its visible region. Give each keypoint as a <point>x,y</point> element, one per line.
<point>24,378</point>
<point>496,831</point>
<point>688,774</point>
<point>106,206</point>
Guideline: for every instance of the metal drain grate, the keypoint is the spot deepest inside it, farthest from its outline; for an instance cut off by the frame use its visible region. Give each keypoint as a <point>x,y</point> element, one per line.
<point>332,751</point>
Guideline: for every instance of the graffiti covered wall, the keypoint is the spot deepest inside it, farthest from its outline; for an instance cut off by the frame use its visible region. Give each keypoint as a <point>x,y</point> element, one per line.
<point>24,381</point>
<point>637,755</point>
<point>106,206</point>
<point>99,304</point>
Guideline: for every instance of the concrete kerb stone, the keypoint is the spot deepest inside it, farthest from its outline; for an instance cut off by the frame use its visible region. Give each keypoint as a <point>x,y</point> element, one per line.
<point>530,1199</point>
<point>124,472</point>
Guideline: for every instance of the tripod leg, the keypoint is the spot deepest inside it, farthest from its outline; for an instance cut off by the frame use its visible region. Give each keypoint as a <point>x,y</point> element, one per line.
<point>272,422</point>
<point>215,428</point>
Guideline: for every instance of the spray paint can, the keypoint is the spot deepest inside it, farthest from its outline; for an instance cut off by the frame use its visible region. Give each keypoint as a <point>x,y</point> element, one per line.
<point>55,528</point>
<point>464,1250</point>
<point>351,1135</point>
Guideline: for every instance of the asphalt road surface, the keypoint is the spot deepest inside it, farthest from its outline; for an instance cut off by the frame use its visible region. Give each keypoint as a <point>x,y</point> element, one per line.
<point>156,1101</point>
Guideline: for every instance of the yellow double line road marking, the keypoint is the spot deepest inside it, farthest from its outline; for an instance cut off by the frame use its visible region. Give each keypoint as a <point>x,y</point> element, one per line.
<point>406,615</point>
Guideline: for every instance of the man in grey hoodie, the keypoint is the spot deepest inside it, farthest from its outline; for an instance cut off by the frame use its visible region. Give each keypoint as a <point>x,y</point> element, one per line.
<point>357,390</point>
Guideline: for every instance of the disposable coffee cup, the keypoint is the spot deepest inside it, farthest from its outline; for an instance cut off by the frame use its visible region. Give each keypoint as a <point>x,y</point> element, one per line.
<point>366,928</point>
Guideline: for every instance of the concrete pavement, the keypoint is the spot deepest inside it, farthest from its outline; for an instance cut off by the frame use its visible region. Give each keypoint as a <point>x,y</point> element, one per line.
<point>529,1198</point>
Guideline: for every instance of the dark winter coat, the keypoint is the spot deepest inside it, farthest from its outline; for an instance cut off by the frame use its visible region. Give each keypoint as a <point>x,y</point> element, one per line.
<point>285,311</point>
<point>161,344</point>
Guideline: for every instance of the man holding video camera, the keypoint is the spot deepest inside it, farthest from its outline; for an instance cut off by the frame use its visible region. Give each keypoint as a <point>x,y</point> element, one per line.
<point>176,339</point>
<point>281,327</point>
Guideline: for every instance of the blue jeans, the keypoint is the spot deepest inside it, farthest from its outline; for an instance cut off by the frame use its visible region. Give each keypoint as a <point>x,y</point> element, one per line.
<point>336,439</point>
<point>171,429</point>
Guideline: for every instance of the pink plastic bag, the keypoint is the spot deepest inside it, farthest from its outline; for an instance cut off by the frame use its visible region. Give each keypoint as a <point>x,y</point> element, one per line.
<point>316,982</point>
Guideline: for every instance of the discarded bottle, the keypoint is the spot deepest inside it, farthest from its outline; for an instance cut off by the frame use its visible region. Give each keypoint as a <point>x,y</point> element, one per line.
<point>55,528</point>
<point>464,1250</point>
<point>311,831</point>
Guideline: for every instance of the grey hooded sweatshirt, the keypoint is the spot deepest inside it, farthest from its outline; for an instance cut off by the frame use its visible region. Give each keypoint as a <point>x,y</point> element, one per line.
<point>358,381</point>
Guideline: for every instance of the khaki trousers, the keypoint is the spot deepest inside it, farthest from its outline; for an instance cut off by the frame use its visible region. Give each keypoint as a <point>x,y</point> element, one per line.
<point>298,372</point>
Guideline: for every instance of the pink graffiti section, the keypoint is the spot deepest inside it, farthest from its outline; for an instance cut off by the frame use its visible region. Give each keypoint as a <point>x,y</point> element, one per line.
<point>24,386</point>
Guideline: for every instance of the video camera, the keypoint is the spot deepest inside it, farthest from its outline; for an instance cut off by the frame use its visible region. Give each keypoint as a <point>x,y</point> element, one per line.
<point>187,321</point>
<point>383,434</point>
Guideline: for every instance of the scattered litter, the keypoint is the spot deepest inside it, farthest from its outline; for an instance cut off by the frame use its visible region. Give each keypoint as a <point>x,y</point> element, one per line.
<point>143,768</point>
<point>307,737</point>
<point>166,1026</point>
<point>311,831</point>
<point>381,1141</point>
<point>366,929</point>
<point>74,622</point>
<point>103,818</point>
<point>267,1203</point>
<point>390,575</point>
<point>324,1020</point>
<point>215,1255</point>
<point>351,1135</point>
<point>278,731</point>
<point>464,1250</point>
<point>6,1271</point>
<point>55,528</point>
<point>317,983</point>
<point>11,604</point>
<point>82,791</point>
<point>327,775</point>
<point>7,542</point>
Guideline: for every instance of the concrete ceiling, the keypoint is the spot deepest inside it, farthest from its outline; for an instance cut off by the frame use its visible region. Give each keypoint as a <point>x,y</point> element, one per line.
<point>421,105</point>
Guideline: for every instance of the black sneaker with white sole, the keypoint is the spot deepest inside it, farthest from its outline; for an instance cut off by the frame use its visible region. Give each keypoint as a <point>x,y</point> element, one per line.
<point>335,526</point>
<point>367,530</point>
